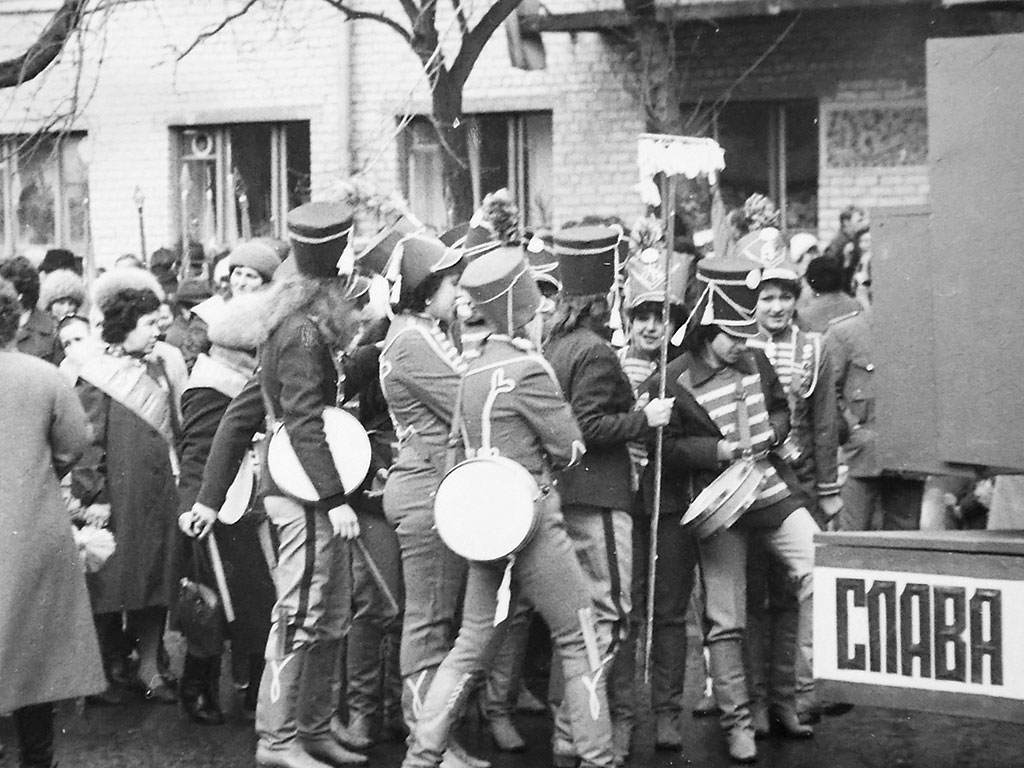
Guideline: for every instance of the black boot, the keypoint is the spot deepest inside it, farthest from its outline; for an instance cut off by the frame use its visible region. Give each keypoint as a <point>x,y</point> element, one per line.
<point>35,735</point>
<point>211,692</point>
<point>193,691</point>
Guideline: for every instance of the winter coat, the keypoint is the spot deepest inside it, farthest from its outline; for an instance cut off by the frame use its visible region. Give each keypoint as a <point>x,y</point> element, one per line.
<point>38,337</point>
<point>601,398</point>
<point>48,648</point>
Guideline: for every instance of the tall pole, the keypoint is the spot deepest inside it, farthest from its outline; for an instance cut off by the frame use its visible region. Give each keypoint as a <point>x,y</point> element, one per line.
<point>140,200</point>
<point>668,198</point>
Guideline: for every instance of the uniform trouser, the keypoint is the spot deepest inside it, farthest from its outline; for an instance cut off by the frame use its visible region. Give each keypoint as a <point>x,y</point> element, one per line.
<point>603,542</point>
<point>723,560</point>
<point>896,499</point>
<point>505,673</point>
<point>376,627</point>
<point>311,617</point>
<point>546,575</point>
<point>673,585</point>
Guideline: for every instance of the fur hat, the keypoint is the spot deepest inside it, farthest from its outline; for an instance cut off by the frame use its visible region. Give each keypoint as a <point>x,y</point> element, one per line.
<point>256,255</point>
<point>114,281</point>
<point>239,325</point>
<point>61,284</point>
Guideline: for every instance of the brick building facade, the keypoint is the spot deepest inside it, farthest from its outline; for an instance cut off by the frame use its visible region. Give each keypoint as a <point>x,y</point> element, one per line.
<point>256,113</point>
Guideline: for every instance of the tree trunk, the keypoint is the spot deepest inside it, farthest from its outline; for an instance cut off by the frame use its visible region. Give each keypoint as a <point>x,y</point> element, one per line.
<point>453,132</point>
<point>39,55</point>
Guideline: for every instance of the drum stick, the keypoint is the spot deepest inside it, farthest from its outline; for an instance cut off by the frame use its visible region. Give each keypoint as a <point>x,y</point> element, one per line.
<point>378,577</point>
<point>218,574</point>
<point>669,207</point>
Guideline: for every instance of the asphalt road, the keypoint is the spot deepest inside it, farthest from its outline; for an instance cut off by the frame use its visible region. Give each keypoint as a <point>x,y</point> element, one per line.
<point>144,735</point>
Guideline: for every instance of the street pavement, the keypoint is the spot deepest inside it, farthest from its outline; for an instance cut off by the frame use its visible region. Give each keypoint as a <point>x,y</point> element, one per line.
<point>145,735</point>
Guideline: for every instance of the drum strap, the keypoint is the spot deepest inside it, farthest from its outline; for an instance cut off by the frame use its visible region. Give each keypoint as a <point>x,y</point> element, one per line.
<point>743,420</point>
<point>456,431</point>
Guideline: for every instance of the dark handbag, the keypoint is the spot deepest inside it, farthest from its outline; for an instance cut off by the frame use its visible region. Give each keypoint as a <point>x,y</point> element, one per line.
<point>200,613</point>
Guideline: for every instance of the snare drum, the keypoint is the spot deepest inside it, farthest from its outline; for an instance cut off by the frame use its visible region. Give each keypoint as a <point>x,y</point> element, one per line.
<point>725,500</point>
<point>349,446</point>
<point>485,508</point>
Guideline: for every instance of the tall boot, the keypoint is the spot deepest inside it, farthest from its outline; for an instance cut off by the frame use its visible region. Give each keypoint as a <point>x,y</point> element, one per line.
<point>211,691</point>
<point>34,725</point>
<point>318,704</point>
<point>622,695</point>
<point>363,690</point>
<point>414,693</point>
<point>276,726</point>
<point>436,718</point>
<point>392,726</point>
<point>563,751</point>
<point>586,703</point>
<point>194,690</point>
<point>668,672</point>
<point>757,642</point>
<point>784,716</point>
<point>501,686</point>
<point>730,686</point>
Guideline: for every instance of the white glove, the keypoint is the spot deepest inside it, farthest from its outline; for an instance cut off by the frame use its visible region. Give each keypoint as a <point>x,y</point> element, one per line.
<point>344,521</point>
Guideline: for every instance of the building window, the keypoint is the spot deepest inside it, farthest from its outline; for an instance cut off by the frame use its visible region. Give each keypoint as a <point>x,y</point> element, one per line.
<point>771,148</point>
<point>239,181</point>
<point>512,150</point>
<point>44,195</point>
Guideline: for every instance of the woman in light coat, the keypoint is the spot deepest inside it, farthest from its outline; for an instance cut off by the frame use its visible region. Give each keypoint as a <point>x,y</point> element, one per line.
<point>48,648</point>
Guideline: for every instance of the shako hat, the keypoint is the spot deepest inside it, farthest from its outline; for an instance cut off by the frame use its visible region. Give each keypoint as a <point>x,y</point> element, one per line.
<point>319,233</point>
<point>645,278</point>
<point>543,263</point>
<point>767,248</point>
<point>416,257</point>
<point>502,288</point>
<point>586,259</point>
<point>375,255</point>
<point>728,299</point>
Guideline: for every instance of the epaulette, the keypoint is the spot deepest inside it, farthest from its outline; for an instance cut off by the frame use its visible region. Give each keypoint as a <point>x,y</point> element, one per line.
<point>847,316</point>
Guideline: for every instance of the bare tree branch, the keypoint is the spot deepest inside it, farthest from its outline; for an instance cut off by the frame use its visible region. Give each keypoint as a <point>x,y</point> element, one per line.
<point>460,14</point>
<point>353,15</point>
<point>411,10</point>
<point>425,41</point>
<point>473,43</point>
<point>46,48</point>
<point>207,34</point>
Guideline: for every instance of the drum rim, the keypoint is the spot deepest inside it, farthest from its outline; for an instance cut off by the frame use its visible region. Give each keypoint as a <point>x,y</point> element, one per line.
<point>707,523</point>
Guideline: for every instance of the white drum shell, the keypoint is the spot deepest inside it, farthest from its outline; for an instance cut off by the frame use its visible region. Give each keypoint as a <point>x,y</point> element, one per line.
<point>484,508</point>
<point>240,493</point>
<point>349,446</point>
<point>725,499</point>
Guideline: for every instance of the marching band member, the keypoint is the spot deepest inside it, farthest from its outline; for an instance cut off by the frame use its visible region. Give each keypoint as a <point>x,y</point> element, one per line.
<point>729,404</point>
<point>420,370</point>
<point>782,685</point>
<point>511,406</point>
<point>597,493</point>
<point>312,315</point>
<point>643,297</point>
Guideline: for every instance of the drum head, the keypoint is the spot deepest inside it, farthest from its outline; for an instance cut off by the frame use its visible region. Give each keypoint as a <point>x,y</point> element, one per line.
<point>721,496</point>
<point>349,445</point>
<point>240,493</point>
<point>484,508</point>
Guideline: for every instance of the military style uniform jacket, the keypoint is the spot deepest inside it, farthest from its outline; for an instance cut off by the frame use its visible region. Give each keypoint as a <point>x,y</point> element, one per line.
<point>851,347</point>
<point>691,438</point>
<point>512,405</point>
<point>299,378</point>
<point>804,368</point>
<point>601,398</point>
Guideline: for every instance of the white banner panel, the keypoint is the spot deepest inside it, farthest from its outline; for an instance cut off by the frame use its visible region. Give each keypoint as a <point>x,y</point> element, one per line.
<point>919,630</point>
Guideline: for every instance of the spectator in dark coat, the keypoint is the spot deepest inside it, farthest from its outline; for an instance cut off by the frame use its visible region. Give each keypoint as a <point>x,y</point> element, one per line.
<point>37,330</point>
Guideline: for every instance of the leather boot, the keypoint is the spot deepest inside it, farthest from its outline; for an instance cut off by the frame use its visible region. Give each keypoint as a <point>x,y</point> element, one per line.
<point>622,696</point>
<point>34,725</point>
<point>501,686</point>
<point>194,688</point>
<point>586,702</point>
<point>276,709</point>
<point>414,693</point>
<point>784,718</point>
<point>666,732</point>
<point>757,643</point>
<point>363,676</point>
<point>393,726</point>
<point>318,703</point>
<point>730,686</point>
<point>436,717</point>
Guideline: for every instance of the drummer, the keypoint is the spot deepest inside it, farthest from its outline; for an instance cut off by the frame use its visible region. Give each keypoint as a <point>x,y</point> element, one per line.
<point>511,406</point>
<point>784,683</point>
<point>708,431</point>
<point>312,316</point>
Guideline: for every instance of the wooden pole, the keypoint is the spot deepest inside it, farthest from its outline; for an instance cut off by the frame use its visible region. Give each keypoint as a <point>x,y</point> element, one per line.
<point>668,202</point>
